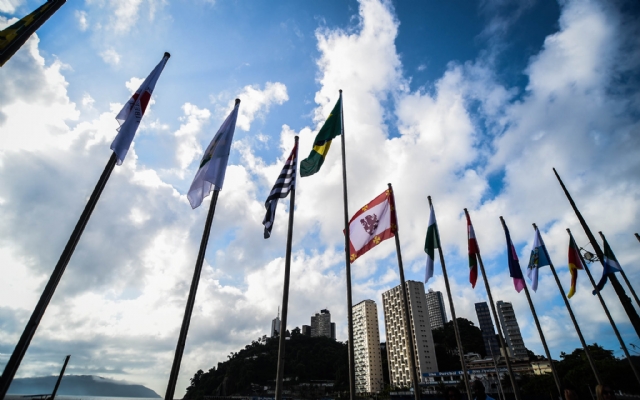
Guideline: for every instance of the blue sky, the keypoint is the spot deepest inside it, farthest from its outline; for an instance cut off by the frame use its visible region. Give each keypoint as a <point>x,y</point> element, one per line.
<point>472,103</point>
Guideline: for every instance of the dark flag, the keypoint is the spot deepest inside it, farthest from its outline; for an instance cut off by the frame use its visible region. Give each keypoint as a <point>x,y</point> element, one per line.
<point>285,182</point>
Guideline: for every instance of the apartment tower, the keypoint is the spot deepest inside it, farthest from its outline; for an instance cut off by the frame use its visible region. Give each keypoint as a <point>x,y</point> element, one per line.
<point>437,312</point>
<point>366,347</point>
<point>321,325</point>
<point>397,341</point>
<point>488,332</point>
<point>511,330</point>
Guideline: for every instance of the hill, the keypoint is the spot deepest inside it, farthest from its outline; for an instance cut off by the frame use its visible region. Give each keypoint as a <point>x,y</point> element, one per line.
<point>79,385</point>
<point>306,359</point>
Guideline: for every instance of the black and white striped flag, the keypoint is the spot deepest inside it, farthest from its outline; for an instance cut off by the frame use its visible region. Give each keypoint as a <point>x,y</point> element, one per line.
<point>286,181</point>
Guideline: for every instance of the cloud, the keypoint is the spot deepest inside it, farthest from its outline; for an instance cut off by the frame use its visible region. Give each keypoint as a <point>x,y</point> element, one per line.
<point>87,101</point>
<point>256,102</point>
<point>83,23</point>
<point>110,56</point>
<point>9,6</point>
<point>188,146</point>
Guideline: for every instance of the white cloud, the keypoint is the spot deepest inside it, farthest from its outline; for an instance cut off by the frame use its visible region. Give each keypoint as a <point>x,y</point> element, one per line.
<point>256,102</point>
<point>9,6</point>
<point>110,56</point>
<point>83,23</point>
<point>127,12</point>
<point>187,136</point>
<point>87,101</point>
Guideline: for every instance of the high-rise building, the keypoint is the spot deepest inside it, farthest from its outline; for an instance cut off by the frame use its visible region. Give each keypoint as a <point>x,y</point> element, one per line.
<point>366,347</point>
<point>437,312</point>
<point>321,325</point>
<point>397,340</point>
<point>306,330</point>
<point>275,325</point>
<point>511,330</point>
<point>488,332</point>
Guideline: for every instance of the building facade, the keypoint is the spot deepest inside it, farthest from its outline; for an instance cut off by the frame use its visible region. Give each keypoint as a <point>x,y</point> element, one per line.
<point>275,326</point>
<point>511,330</point>
<point>488,332</point>
<point>321,325</point>
<point>437,312</point>
<point>397,340</point>
<point>366,348</point>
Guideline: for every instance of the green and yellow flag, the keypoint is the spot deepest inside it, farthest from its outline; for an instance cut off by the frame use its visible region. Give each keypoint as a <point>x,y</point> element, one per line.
<point>14,36</point>
<point>330,129</point>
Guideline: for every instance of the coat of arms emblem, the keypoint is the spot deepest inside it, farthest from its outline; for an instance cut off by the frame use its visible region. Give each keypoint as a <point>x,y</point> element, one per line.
<point>370,223</point>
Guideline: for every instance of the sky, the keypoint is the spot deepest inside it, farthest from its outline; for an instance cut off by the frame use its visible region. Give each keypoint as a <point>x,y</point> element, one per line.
<point>471,103</point>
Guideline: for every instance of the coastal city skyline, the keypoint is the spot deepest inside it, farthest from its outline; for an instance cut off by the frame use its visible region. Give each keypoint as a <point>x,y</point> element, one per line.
<point>474,112</point>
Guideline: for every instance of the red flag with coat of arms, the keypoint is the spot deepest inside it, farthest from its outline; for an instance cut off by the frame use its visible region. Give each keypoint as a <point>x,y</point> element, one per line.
<point>372,224</point>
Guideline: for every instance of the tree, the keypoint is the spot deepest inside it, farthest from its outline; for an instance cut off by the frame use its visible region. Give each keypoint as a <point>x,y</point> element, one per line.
<point>447,348</point>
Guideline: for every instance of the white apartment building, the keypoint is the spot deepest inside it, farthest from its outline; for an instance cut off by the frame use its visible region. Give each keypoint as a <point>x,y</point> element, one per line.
<point>397,347</point>
<point>366,348</point>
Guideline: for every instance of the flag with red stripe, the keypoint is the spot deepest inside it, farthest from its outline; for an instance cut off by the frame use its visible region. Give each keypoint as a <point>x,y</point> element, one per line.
<point>131,114</point>
<point>474,251</point>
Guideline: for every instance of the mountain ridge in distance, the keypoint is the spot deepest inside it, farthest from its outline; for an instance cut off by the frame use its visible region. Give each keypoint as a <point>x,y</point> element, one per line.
<point>79,385</point>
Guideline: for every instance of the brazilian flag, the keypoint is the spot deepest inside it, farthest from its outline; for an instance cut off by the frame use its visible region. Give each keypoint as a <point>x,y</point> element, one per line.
<point>330,129</point>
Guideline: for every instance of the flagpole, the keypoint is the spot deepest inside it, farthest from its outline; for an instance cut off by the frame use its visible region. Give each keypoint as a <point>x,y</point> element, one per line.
<point>407,317</point>
<point>606,310</point>
<point>453,312</point>
<point>285,291</point>
<point>177,359</point>
<point>624,276</point>
<point>573,319</point>
<point>352,367</point>
<point>622,295</point>
<point>29,331</point>
<point>535,319</point>
<point>516,391</point>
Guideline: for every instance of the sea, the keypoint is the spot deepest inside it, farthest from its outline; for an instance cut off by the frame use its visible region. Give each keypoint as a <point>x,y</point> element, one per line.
<point>61,397</point>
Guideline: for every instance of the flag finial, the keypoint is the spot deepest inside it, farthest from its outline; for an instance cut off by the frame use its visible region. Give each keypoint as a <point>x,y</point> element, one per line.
<point>237,101</point>
<point>535,226</point>
<point>340,90</point>
<point>166,54</point>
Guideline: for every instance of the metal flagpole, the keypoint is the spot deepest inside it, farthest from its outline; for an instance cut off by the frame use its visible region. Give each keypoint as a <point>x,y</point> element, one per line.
<point>177,359</point>
<point>407,317</point>
<point>30,330</point>
<point>352,367</point>
<point>495,367</point>
<point>573,318</point>
<point>624,299</point>
<point>55,388</point>
<point>606,310</point>
<point>285,290</point>
<point>453,313</point>
<point>535,319</point>
<point>624,276</point>
<point>516,391</point>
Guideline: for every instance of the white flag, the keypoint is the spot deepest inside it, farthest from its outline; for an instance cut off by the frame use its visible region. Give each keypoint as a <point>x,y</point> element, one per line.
<point>131,114</point>
<point>213,166</point>
<point>372,224</point>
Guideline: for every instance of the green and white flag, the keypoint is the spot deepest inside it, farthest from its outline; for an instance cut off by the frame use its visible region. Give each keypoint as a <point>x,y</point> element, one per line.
<point>213,166</point>
<point>431,243</point>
